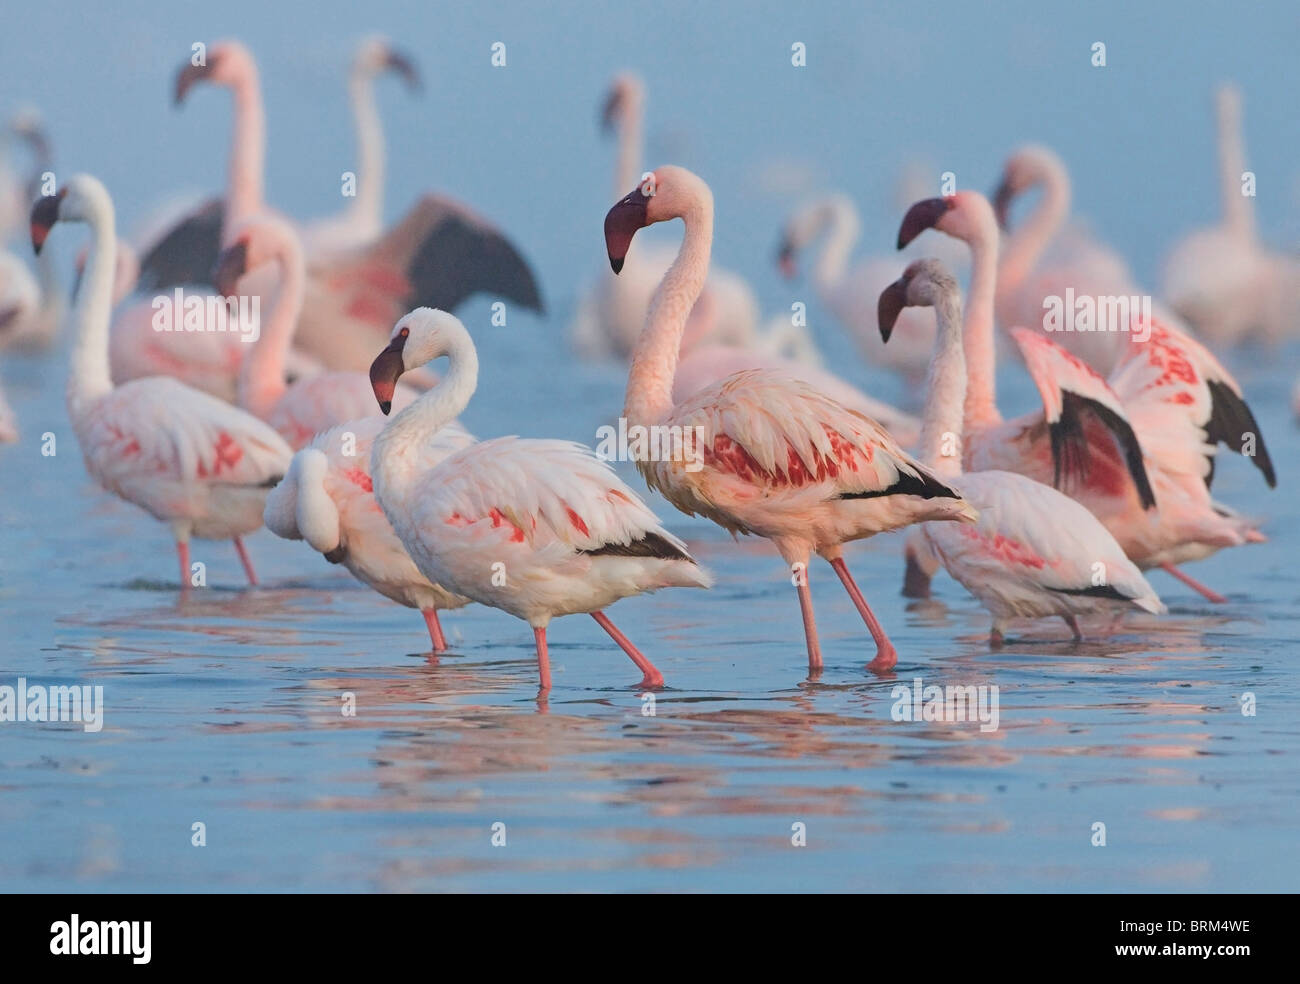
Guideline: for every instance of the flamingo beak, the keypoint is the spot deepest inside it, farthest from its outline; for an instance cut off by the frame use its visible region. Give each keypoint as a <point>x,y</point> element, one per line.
<point>785,260</point>
<point>336,555</point>
<point>231,265</point>
<point>404,66</point>
<point>923,215</point>
<point>44,214</point>
<point>1002,203</point>
<point>892,301</point>
<point>609,112</point>
<point>621,223</point>
<point>385,372</point>
<point>187,77</point>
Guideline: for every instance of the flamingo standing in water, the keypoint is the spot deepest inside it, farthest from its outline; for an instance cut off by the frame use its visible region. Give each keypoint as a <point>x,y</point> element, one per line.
<point>192,461</point>
<point>1034,552</point>
<point>778,458</point>
<point>1152,495</point>
<point>536,528</point>
<point>327,499</point>
<point>309,405</point>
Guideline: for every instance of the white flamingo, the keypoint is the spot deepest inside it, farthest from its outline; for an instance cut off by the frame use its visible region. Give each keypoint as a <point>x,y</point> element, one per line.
<point>536,528</point>
<point>190,460</point>
<point>327,499</point>
<point>779,459</point>
<point>1034,552</point>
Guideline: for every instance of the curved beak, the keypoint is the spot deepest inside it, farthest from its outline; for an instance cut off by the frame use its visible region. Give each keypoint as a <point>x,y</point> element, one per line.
<point>785,260</point>
<point>892,301</point>
<point>44,214</point>
<point>404,67</point>
<point>385,371</point>
<point>1002,203</point>
<point>609,112</point>
<point>621,223</point>
<point>231,265</point>
<point>925,214</point>
<point>187,77</point>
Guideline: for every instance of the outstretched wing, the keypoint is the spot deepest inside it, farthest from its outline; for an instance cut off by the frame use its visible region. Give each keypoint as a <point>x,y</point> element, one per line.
<point>187,252</point>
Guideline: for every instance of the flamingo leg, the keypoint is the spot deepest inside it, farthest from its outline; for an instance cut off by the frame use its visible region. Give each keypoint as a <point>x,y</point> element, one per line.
<point>1073,623</point>
<point>1209,593</point>
<point>809,624</point>
<point>886,654</point>
<point>543,660</point>
<point>183,553</point>
<point>653,678</point>
<point>245,560</point>
<point>435,629</point>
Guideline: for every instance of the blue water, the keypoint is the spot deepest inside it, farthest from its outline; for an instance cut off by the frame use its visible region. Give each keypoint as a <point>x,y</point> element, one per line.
<point>226,709</point>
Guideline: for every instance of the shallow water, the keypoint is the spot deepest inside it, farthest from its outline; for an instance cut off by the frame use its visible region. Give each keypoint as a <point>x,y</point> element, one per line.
<point>226,709</point>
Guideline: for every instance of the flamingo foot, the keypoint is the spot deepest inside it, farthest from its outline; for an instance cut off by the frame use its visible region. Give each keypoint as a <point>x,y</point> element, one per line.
<point>886,655</point>
<point>246,561</point>
<point>653,678</point>
<point>543,660</point>
<point>886,659</point>
<point>1208,593</point>
<point>1073,623</point>
<point>435,629</point>
<point>997,638</point>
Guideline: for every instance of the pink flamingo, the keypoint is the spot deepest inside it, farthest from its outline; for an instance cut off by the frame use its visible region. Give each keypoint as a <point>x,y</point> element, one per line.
<point>1034,552</point>
<point>190,460</point>
<point>779,459</point>
<point>327,500</point>
<point>536,528</point>
<point>317,402</point>
<point>1152,495</point>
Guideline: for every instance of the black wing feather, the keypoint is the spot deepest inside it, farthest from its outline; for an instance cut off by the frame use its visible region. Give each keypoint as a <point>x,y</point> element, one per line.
<point>1230,420</point>
<point>459,258</point>
<point>186,253</point>
<point>1070,445</point>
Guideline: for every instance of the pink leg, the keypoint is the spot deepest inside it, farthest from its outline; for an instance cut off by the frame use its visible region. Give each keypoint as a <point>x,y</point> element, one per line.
<point>809,624</point>
<point>653,678</point>
<point>243,559</point>
<point>435,630</point>
<point>543,660</point>
<point>183,552</point>
<point>886,655</point>
<point>1195,585</point>
<point>1073,623</point>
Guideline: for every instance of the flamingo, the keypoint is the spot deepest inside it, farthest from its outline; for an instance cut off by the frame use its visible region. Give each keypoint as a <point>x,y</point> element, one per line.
<point>1153,494</point>
<point>327,500</point>
<point>31,307</point>
<point>317,402</point>
<point>536,528</point>
<point>1221,279</point>
<point>16,193</point>
<point>190,460</point>
<point>1034,552</point>
<point>612,311</point>
<point>440,253</point>
<point>778,458</point>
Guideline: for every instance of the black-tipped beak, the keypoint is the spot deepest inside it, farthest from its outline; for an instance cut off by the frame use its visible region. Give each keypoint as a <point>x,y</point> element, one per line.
<point>231,265</point>
<point>892,301</point>
<point>1002,203</point>
<point>336,555</point>
<point>609,111</point>
<point>385,371</point>
<point>44,214</point>
<point>187,77</point>
<point>621,224</point>
<point>404,66</point>
<point>923,215</point>
<point>785,260</point>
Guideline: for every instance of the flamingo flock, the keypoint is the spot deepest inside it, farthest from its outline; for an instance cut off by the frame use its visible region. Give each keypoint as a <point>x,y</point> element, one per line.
<point>327,422</point>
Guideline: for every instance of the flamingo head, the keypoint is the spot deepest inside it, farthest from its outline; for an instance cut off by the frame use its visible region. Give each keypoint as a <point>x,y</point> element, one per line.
<point>925,283</point>
<point>1029,166</point>
<point>258,241</point>
<point>966,215</point>
<point>624,96</point>
<point>80,198</point>
<point>419,337</point>
<point>377,55</point>
<point>224,63</point>
<point>805,225</point>
<point>669,192</point>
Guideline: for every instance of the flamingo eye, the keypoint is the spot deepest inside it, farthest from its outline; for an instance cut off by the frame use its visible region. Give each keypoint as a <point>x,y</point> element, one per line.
<point>405,332</point>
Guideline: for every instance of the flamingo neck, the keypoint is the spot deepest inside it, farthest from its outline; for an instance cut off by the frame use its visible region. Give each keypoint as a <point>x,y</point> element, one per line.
<point>627,167</point>
<point>261,376</point>
<point>365,211</point>
<point>90,379</point>
<point>941,427</point>
<point>244,192</point>
<point>1026,244</point>
<point>649,397</point>
<point>981,354</point>
<point>51,296</point>
<point>315,512</point>
<point>833,260</point>
<point>1238,209</point>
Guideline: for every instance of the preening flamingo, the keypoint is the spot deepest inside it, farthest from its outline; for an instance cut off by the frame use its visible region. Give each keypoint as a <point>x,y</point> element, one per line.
<point>190,460</point>
<point>17,190</point>
<point>309,405</point>
<point>777,458</point>
<point>612,311</point>
<point>536,528</point>
<point>327,500</point>
<point>1153,493</point>
<point>1034,552</point>
<point>31,307</point>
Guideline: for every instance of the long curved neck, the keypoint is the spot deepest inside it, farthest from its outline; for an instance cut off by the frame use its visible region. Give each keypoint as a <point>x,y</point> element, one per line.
<point>977,333</point>
<point>840,240</point>
<point>315,512</point>
<point>941,427</point>
<point>89,379</point>
<point>261,377</point>
<point>1026,244</point>
<point>1238,209</point>
<point>627,165</point>
<point>365,211</point>
<point>649,395</point>
<point>244,191</point>
<point>46,276</point>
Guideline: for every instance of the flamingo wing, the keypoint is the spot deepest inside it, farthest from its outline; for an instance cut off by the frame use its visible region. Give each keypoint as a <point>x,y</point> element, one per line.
<point>187,252</point>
